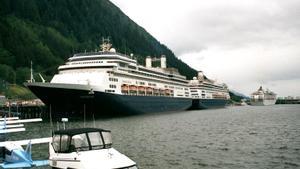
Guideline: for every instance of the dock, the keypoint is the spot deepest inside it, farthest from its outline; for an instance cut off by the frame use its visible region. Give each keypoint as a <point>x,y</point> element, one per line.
<point>288,101</point>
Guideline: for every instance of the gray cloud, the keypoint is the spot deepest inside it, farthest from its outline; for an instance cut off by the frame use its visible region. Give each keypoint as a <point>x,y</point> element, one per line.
<point>234,26</point>
<point>243,43</point>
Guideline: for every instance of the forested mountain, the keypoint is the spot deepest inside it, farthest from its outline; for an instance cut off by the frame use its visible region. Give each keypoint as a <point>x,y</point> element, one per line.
<point>47,32</point>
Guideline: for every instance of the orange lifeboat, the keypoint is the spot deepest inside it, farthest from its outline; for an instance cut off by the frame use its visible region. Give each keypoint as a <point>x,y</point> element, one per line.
<point>162,92</point>
<point>149,90</point>
<point>168,92</point>
<point>125,88</point>
<point>141,89</point>
<point>156,92</point>
<point>133,89</point>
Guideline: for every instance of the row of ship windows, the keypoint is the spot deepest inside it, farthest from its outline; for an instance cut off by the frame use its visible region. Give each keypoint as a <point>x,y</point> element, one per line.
<point>109,91</point>
<point>214,96</point>
<point>112,86</point>
<point>179,88</point>
<point>203,91</point>
<point>198,97</point>
<point>196,94</point>
<point>149,75</point>
<point>137,82</point>
<point>151,84</point>
<point>113,79</point>
<point>141,83</point>
<point>166,86</point>
<point>213,86</point>
<point>172,87</point>
<point>78,63</point>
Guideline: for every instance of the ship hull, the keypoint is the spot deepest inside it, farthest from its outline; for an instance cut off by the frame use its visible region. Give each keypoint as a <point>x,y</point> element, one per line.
<point>262,102</point>
<point>199,104</point>
<point>76,100</point>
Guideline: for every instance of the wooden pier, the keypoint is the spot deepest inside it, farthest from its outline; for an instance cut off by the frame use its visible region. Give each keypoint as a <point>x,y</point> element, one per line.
<point>288,101</point>
<point>24,112</point>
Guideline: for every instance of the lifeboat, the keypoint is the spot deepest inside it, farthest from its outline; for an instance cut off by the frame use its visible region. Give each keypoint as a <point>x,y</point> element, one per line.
<point>156,92</point>
<point>125,88</point>
<point>132,89</point>
<point>162,92</point>
<point>149,90</point>
<point>168,92</point>
<point>141,89</point>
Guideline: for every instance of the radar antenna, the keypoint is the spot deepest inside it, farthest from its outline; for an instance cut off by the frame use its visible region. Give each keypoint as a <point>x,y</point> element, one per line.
<point>106,45</point>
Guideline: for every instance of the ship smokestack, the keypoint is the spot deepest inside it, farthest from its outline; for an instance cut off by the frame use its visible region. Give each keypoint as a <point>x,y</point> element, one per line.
<point>163,62</point>
<point>148,61</point>
<point>200,76</point>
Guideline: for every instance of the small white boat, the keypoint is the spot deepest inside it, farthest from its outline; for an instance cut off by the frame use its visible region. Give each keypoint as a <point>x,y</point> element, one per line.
<point>16,157</point>
<point>86,148</point>
<point>12,154</point>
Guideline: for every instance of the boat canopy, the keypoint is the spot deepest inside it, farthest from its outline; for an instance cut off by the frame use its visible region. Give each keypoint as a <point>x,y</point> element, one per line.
<point>81,139</point>
<point>71,132</point>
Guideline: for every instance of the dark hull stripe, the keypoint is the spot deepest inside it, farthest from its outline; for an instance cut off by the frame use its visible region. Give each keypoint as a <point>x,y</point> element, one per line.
<point>208,103</point>
<point>73,102</point>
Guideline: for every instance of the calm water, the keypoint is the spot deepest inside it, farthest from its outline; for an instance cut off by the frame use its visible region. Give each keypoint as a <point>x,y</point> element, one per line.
<point>235,137</point>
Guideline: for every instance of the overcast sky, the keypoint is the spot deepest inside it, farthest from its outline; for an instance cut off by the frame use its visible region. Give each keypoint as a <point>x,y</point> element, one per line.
<point>244,43</point>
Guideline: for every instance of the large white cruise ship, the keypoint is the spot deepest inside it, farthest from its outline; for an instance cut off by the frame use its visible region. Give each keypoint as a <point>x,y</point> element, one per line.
<point>109,83</point>
<point>262,97</point>
<point>206,93</point>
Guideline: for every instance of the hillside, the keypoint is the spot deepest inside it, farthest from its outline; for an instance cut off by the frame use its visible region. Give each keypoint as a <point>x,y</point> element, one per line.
<point>47,32</point>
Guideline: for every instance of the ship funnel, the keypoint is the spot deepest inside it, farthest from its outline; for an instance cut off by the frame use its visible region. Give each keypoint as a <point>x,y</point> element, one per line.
<point>163,62</point>
<point>148,61</point>
<point>200,76</point>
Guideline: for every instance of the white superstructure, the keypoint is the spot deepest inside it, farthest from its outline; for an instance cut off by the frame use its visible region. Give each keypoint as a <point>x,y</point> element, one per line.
<point>203,88</point>
<point>112,72</point>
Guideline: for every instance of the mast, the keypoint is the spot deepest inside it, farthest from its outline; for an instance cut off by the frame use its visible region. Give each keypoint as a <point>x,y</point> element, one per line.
<point>106,45</point>
<point>31,74</point>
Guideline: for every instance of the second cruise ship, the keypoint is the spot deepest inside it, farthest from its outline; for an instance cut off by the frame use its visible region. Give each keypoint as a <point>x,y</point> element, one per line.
<point>206,93</point>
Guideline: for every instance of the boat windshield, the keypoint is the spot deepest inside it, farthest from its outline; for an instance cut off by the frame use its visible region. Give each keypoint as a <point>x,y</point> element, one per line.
<point>107,139</point>
<point>96,141</point>
<point>60,143</point>
<point>93,140</point>
<point>90,141</point>
<point>79,142</point>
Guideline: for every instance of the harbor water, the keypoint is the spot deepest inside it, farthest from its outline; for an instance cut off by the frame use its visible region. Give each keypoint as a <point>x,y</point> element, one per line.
<point>234,137</point>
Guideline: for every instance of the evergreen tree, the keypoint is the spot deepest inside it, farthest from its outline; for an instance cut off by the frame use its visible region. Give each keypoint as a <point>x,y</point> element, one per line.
<point>47,32</point>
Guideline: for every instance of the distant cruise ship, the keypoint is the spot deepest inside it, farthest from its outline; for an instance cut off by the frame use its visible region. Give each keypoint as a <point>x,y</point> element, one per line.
<point>206,93</point>
<point>261,97</point>
<point>109,83</point>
